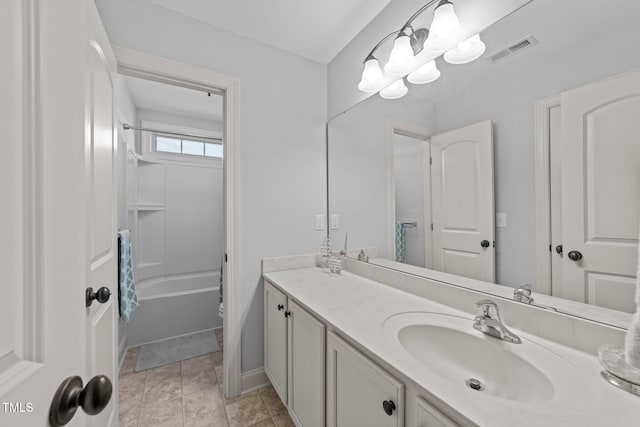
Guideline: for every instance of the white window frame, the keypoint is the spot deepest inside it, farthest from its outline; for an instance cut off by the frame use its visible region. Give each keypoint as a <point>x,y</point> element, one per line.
<point>148,142</point>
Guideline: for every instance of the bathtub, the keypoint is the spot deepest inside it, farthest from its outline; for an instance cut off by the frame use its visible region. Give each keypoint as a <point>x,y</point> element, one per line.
<point>172,306</point>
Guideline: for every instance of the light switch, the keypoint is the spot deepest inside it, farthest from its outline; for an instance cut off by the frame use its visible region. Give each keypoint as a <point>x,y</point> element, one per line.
<point>319,222</point>
<point>501,220</point>
<point>335,221</point>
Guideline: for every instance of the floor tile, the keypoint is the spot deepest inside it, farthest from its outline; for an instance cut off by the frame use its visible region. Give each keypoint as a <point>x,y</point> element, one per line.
<point>283,421</point>
<point>272,401</point>
<point>161,411</point>
<point>163,382</point>
<point>246,410</point>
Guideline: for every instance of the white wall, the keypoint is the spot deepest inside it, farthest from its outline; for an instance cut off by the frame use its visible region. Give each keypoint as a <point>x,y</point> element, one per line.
<point>359,158</point>
<point>282,111</point>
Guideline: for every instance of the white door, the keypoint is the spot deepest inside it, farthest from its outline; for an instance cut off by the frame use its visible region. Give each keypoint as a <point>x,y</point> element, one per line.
<point>601,191</point>
<point>462,200</point>
<point>52,247</point>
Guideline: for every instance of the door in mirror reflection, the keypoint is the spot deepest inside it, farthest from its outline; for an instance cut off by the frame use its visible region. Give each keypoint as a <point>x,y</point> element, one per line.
<point>463,205</point>
<point>600,184</point>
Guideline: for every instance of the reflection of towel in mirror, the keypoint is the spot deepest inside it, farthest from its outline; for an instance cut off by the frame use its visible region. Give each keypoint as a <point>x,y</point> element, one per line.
<point>399,242</point>
<point>632,340</point>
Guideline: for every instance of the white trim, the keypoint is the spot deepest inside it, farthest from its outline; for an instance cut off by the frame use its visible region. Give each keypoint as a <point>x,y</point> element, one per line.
<point>138,64</point>
<point>413,131</point>
<point>253,380</point>
<point>543,193</point>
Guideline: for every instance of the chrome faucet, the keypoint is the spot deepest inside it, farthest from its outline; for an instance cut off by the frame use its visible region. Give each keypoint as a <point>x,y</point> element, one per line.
<point>523,294</point>
<point>488,322</point>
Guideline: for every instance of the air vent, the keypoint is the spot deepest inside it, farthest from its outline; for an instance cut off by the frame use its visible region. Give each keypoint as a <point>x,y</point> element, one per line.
<point>517,47</point>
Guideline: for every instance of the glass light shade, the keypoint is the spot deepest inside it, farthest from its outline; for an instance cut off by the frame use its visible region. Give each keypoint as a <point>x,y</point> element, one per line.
<point>401,59</point>
<point>445,29</point>
<point>395,90</point>
<point>425,74</point>
<point>372,80</point>
<point>466,51</point>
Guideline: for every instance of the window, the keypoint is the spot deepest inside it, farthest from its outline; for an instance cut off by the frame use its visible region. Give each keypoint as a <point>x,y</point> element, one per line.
<point>192,147</point>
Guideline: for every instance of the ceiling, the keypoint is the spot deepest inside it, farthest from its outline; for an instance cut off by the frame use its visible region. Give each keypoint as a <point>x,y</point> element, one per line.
<point>174,100</point>
<point>317,30</point>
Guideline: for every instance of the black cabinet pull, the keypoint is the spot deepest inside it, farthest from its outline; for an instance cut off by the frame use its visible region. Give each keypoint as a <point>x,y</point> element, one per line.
<point>287,313</point>
<point>559,249</point>
<point>485,244</point>
<point>388,407</point>
<point>280,307</point>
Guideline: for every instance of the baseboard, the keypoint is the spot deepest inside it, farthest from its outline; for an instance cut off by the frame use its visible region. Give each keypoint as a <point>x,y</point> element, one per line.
<point>253,380</point>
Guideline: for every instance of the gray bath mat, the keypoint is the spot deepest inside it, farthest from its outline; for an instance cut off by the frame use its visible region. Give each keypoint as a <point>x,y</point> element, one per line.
<point>173,350</point>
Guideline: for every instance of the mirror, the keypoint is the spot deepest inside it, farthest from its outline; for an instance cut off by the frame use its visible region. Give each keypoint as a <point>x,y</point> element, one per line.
<point>560,192</point>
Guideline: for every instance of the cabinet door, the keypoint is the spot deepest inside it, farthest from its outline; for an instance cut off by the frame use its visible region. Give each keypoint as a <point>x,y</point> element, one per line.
<point>357,389</point>
<point>429,416</point>
<point>275,339</point>
<point>306,368</point>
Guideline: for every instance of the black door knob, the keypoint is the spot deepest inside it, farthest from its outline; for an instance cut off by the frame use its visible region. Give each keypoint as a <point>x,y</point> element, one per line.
<point>287,313</point>
<point>102,295</point>
<point>485,244</point>
<point>388,407</point>
<point>559,249</point>
<point>280,307</point>
<point>575,256</point>
<point>93,398</point>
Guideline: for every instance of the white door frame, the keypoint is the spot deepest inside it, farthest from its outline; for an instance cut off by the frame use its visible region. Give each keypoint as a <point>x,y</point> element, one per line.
<point>137,64</point>
<point>418,132</point>
<point>542,109</point>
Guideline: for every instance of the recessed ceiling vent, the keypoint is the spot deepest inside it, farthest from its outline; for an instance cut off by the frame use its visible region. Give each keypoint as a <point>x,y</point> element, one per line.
<point>516,47</point>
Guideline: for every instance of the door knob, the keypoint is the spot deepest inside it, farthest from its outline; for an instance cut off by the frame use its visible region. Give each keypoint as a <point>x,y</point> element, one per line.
<point>388,407</point>
<point>287,313</point>
<point>559,249</point>
<point>102,295</point>
<point>280,307</point>
<point>485,244</point>
<point>575,256</point>
<point>93,398</point>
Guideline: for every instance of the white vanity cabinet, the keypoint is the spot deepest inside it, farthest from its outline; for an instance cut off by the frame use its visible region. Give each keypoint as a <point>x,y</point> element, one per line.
<point>429,416</point>
<point>294,357</point>
<point>359,392</point>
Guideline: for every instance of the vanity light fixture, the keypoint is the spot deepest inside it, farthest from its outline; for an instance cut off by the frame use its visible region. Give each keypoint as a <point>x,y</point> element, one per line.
<point>401,59</point>
<point>426,74</point>
<point>372,78</point>
<point>466,51</point>
<point>406,59</point>
<point>395,90</point>
<point>445,29</point>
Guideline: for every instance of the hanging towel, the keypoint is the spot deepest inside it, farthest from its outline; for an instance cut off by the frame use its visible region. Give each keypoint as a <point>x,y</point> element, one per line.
<point>399,242</point>
<point>128,300</point>
<point>632,339</point>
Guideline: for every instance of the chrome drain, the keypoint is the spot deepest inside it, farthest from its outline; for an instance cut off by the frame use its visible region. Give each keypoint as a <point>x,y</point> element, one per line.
<point>474,384</point>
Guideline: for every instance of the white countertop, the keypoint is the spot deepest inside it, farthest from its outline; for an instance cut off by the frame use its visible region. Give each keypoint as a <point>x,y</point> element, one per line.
<point>357,308</point>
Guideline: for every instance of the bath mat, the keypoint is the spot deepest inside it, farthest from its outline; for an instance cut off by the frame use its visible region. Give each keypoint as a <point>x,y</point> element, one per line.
<point>174,350</point>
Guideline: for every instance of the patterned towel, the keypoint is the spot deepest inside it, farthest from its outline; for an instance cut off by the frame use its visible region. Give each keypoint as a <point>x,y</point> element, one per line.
<point>127,288</point>
<point>399,242</point>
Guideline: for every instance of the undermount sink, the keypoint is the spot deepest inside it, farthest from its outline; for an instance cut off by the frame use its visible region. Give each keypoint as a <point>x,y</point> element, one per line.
<point>449,347</point>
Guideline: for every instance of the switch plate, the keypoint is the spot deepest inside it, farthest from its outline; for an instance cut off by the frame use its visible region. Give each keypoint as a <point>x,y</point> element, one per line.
<point>319,222</point>
<point>501,220</point>
<point>335,221</point>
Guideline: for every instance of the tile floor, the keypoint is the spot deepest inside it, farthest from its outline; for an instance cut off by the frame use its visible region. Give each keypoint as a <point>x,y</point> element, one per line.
<point>189,394</point>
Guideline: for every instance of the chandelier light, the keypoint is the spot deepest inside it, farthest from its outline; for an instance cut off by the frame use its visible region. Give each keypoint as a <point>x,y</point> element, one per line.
<point>415,50</point>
